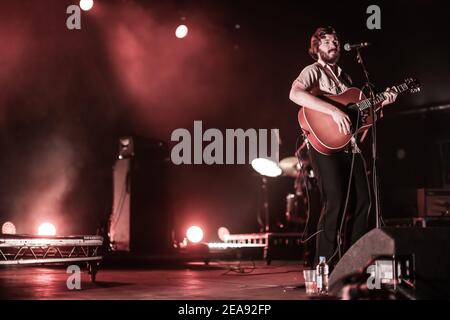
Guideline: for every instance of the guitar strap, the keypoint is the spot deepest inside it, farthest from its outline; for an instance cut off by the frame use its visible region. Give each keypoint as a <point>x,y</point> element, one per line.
<point>335,78</point>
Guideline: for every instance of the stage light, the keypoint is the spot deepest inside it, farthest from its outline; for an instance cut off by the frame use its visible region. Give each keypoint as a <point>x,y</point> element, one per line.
<point>8,228</point>
<point>86,5</point>
<point>194,234</point>
<point>181,31</point>
<point>46,229</point>
<point>126,147</point>
<point>266,167</point>
<point>223,233</point>
<point>401,154</point>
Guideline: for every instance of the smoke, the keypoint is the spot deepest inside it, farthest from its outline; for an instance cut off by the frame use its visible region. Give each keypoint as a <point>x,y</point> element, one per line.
<point>67,95</point>
<point>44,185</point>
<point>57,105</point>
<point>170,82</point>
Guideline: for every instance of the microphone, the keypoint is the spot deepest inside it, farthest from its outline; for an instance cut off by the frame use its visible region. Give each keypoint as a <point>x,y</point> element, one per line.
<point>349,46</point>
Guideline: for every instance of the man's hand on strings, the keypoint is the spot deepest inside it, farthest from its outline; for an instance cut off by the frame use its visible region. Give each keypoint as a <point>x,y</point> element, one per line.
<point>390,95</point>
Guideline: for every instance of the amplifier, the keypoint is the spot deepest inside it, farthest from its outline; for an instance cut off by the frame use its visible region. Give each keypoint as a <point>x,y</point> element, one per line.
<point>433,202</point>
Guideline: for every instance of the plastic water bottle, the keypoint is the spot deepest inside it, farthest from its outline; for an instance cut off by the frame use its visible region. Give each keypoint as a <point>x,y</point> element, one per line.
<point>322,276</point>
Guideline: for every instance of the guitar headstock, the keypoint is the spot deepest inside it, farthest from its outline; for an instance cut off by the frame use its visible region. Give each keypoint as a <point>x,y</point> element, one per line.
<point>413,85</point>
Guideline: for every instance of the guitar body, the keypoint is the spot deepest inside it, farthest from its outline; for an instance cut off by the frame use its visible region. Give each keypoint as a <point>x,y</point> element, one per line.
<point>320,128</point>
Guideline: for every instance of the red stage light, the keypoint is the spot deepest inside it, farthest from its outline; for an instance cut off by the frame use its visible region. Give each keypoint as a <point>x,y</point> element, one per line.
<point>8,228</point>
<point>86,5</point>
<point>46,229</point>
<point>181,31</point>
<point>194,234</point>
<point>223,233</point>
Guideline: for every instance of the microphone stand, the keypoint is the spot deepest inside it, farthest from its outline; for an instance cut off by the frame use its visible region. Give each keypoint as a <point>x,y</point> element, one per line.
<point>369,86</point>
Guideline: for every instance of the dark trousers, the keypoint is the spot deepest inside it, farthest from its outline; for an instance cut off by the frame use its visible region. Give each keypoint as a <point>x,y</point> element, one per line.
<point>332,172</point>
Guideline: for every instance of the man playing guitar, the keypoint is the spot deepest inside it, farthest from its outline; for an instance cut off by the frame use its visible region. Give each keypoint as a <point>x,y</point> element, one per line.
<point>325,77</point>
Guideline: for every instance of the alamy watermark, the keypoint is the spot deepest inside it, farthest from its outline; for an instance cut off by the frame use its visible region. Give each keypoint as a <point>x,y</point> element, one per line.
<point>374,280</point>
<point>235,147</point>
<point>374,20</point>
<point>382,272</point>
<point>73,21</point>
<point>73,282</point>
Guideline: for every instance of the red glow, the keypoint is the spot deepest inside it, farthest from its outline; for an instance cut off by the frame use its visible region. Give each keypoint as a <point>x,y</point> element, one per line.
<point>223,232</point>
<point>181,31</point>
<point>194,234</point>
<point>8,228</point>
<point>47,229</point>
<point>148,59</point>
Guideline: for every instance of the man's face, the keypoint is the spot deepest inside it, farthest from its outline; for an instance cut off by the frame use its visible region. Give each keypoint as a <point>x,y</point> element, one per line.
<point>329,49</point>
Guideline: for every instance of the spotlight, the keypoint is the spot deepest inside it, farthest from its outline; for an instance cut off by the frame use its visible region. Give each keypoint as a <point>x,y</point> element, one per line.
<point>223,233</point>
<point>181,31</point>
<point>46,229</point>
<point>8,228</point>
<point>86,5</point>
<point>194,234</point>
<point>126,147</point>
<point>266,167</point>
<point>401,154</point>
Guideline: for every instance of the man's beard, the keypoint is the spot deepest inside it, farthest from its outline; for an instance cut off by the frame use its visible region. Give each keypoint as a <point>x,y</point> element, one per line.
<point>327,56</point>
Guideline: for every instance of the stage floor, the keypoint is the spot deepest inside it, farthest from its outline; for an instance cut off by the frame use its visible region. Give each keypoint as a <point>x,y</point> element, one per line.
<point>227,280</point>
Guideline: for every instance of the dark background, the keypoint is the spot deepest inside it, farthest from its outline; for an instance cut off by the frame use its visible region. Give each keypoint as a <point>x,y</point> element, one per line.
<point>67,95</point>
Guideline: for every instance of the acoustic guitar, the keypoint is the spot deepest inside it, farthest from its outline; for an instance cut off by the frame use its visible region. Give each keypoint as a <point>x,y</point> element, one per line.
<point>320,128</point>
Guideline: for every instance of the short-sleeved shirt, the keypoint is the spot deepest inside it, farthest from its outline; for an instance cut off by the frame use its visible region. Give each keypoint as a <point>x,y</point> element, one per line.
<point>320,78</point>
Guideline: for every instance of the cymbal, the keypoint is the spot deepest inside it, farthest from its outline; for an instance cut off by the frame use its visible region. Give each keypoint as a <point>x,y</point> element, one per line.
<point>290,166</point>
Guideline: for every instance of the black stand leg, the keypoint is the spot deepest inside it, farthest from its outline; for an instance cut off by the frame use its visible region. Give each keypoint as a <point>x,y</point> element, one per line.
<point>369,87</point>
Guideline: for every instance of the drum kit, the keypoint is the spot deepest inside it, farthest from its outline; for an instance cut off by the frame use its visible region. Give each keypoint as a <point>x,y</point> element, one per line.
<point>303,206</point>
<point>297,204</point>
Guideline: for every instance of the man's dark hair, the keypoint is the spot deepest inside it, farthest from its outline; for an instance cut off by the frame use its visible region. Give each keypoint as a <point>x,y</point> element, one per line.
<point>317,36</point>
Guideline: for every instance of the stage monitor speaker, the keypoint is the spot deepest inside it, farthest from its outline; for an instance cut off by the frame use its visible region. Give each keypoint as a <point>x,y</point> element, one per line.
<point>141,222</point>
<point>429,247</point>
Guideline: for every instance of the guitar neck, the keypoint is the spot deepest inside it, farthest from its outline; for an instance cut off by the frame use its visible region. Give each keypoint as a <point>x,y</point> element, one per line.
<point>379,98</point>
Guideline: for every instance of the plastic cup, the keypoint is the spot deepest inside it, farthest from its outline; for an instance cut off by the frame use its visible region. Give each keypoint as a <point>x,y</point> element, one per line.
<point>310,281</point>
